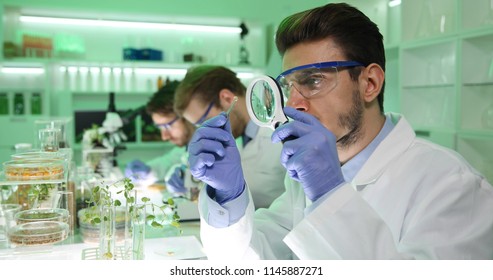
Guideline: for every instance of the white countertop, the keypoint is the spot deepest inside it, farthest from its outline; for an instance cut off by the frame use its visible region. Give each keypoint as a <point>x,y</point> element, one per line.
<point>168,248</point>
<point>159,245</point>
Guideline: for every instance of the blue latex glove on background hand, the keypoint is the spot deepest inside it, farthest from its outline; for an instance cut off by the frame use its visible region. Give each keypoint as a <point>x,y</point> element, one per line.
<point>215,160</point>
<point>137,170</point>
<point>311,158</point>
<point>175,184</point>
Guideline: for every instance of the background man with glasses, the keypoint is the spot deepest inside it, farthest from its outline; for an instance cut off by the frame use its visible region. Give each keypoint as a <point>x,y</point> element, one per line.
<point>173,129</point>
<point>360,185</point>
<point>208,90</point>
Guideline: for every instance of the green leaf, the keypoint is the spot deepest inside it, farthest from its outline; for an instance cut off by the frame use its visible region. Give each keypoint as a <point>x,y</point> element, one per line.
<point>171,201</point>
<point>175,224</point>
<point>155,224</point>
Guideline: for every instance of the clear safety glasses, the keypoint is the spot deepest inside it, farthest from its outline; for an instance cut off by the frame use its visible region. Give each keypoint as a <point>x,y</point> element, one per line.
<point>312,79</point>
<point>204,116</point>
<point>166,126</point>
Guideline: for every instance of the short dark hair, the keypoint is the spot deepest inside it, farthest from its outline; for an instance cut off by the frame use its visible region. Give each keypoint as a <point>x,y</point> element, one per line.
<point>205,82</point>
<point>161,102</point>
<point>358,37</point>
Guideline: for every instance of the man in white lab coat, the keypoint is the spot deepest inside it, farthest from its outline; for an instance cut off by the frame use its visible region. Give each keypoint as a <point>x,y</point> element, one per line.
<point>208,90</point>
<point>360,185</point>
<point>174,129</point>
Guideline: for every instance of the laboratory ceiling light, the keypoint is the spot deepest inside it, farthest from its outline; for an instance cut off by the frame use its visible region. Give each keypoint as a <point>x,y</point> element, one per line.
<point>22,70</point>
<point>394,3</point>
<point>164,71</point>
<point>245,75</point>
<point>130,24</point>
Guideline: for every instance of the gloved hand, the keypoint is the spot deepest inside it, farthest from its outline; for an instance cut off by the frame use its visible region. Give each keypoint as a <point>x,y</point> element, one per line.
<point>311,157</point>
<point>175,184</point>
<point>137,171</point>
<point>215,160</point>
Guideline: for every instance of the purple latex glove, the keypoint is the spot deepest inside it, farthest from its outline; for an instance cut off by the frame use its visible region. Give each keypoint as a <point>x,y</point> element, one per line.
<point>176,184</point>
<point>215,160</point>
<point>137,170</point>
<point>311,157</point>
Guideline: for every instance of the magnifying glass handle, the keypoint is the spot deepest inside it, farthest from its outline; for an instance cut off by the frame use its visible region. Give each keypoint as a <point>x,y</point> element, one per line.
<point>291,137</point>
<point>288,139</point>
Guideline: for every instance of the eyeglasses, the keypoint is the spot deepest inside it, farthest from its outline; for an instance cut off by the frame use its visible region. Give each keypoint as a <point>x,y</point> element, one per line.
<point>311,79</point>
<point>204,116</point>
<point>167,125</point>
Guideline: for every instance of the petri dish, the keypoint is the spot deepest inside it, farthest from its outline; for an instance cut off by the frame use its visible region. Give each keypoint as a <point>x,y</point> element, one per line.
<point>90,232</point>
<point>34,169</point>
<point>38,233</point>
<point>37,155</point>
<point>42,214</point>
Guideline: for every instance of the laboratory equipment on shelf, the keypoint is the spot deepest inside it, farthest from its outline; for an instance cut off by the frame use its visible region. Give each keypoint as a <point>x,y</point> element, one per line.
<point>62,124</point>
<point>48,138</point>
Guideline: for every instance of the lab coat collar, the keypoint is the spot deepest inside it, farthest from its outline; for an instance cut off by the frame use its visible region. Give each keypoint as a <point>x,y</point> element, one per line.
<point>395,144</point>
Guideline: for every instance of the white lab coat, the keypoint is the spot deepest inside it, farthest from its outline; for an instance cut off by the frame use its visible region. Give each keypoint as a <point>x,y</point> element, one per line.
<point>262,168</point>
<point>166,163</point>
<point>411,200</point>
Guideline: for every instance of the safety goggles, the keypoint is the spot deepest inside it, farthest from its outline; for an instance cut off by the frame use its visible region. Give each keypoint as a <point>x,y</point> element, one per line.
<point>311,79</point>
<point>204,116</point>
<point>166,126</point>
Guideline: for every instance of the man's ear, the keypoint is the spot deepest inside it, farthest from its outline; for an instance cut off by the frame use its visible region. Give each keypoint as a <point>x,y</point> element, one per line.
<point>226,98</point>
<point>373,78</point>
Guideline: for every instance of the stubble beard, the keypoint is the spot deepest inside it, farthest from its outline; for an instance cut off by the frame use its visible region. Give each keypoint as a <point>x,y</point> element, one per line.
<point>352,122</point>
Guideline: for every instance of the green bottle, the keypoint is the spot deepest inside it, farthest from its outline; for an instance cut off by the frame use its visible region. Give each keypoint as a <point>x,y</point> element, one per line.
<point>36,104</point>
<point>19,104</point>
<point>4,104</point>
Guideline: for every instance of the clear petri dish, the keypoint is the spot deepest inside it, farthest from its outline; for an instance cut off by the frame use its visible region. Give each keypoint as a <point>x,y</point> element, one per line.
<point>37,155</point>
<point>34,169</point>
<point>90,232</point>
<point>38,233</point>
<point>9,208</point>
<point>42,214</point>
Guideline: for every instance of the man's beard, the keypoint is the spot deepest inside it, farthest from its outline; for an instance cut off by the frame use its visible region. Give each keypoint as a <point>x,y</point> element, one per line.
<point>351,121</point>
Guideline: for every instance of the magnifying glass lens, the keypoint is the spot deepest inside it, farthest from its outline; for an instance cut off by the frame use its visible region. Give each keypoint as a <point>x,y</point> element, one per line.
<point>265,102</point>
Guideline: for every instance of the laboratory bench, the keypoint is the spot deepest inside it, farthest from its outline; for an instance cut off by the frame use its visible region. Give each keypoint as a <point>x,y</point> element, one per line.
<point>160,244</point>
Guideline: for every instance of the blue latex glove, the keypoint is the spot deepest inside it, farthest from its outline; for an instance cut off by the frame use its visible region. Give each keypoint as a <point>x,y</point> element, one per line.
<point>175,184</point>
<point>311,157</point>
<point>215,160</point>
<point>136,170</point>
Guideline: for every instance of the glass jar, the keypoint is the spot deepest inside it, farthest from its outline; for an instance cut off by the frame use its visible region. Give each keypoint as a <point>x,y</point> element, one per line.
<point>48,139</point>
<point>4,103</point>
<point>36,104</point>
<point>19,106</point>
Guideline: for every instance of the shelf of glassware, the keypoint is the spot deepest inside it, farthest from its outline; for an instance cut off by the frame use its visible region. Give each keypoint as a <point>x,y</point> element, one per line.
<point>127,77</point>
<point>24,89</point>
<point>423,19</point>
<point>428,89</point>
<point>24,98</point>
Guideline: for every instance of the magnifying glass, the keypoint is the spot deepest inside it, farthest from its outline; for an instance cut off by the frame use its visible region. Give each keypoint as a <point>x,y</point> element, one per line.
<point>264,102</point>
